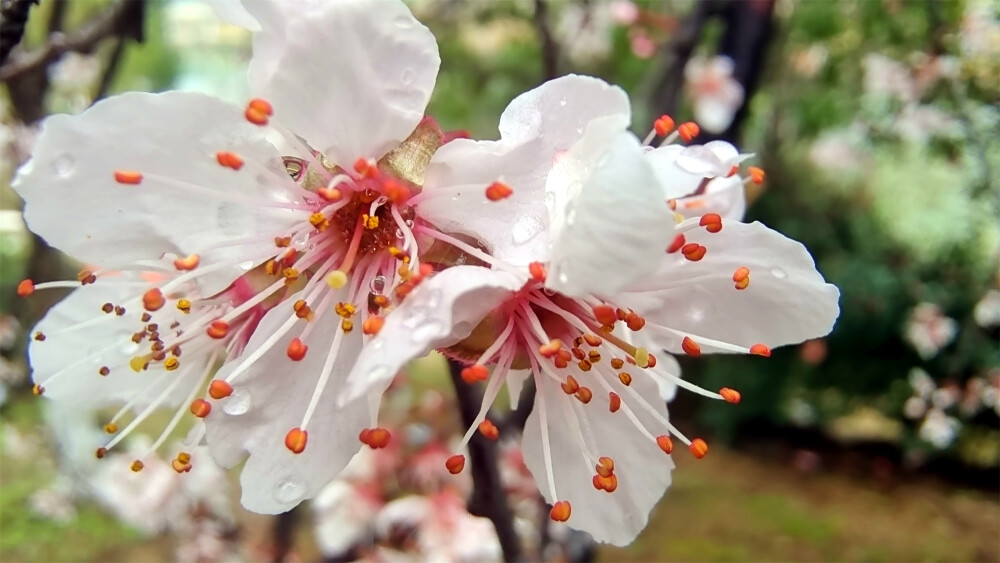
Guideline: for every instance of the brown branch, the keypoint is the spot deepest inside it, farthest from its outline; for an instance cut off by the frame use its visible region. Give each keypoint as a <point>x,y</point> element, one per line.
<point>550,49</point>
<point>13,20</point>
<point>119,20</point>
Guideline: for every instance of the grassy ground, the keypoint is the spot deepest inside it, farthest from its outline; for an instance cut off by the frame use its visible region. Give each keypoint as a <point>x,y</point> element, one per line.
<point>731,506</point>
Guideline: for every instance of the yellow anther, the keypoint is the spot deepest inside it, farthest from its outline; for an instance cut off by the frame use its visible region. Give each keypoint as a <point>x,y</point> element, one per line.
<point>346,325</point>
<point>171,364</point>
<point>641,357</point>
<point>137,364</point>
<point>345,310</point>
<point>184,306</point>
<point>336,279</point>
<point>319,221</point>
<point>111,428</point>
<point>395,252</point>
<point>369,221</point>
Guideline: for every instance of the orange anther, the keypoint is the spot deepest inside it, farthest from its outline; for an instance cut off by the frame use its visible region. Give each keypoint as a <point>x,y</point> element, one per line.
<point>218,329</point>
<point>110,428</point>
<point>497,191</point>
<point>570,386</point>
<point>698,448</point>
<point>663,125</point>
<point>688,131</point>
<point>625,377</point>
<point>634,322</point>
<point>584,395</point>
<point>219,389</point>
<point>296,350</point>
<point>153,300</point>
<point>37,390</point>
<point>614,402</point>
<point>365,167</point>
<point>229,159</point>
<point>180,467</point>
<point>396,192</point>
<point>255,116</point>
<point>741,277</point>
<point>550,349</point>
<point>296,440</point>
<point>760,350</point>
<point>200,408</point>
<point>678,243</point>
<point>188,263</point>
<point>690,347</point>
<point>330,194</point>
<point>488,429</point>
<point>712,222</point>
<point>578,353</point>
<point>605,483</point>
<point>757,175</point>
<point>455,464</point>
<point>537,271</point>
<point>372,325</point>
<point>128,177</point>
<point>665,443</point>
<point>136,466</point>
<point>650,361</point>
<point>378,438</point>
<point>365,435</point>
<point>730,395</point>
<point>605,314</point>
<point>25,288</point>
<point>617,363</point>
<point>693,251</point>
<point>592,340</point>
<point>261,105</point>
<point>561,511</point>
<point>475,373</point>
<point>605,466</point>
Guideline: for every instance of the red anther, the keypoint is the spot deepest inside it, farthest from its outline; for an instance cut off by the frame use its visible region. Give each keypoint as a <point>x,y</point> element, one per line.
<point>396,192</point>
<point>757,175</point>
<point>475,373</point>
<point>455,464</point>
<point>537,271</point>
<point>688,131</point>
<point>625,377</point>
<point>760,350</point>
<point>218,329</point>
<point>365,168</point>
<point>561,362</point>
<point>365,436</point>
<point>694,251</point>
<point>730,395</point>
<point>614,402</point>
<point>219,389</point>
<point>690,347</point>
<point>200,408</point>
<point>261,105</point>
<point>679,242</point>
<point>488,429</point>
<point>153,300</point>
<point>741,277</point>
<point>634,322</point>
<point>570,386</point>
<point>372,325</point>
<point>188,263</point>
<point>732,171</point>
<point>128,177</point>
<point>379,438</point>
<point>651,362</point>
<point>550,349</point>
<point>229,159</point>
<point>605,314</point>
<point>25,288</point>
<point>605,466</point>
<point>296,350</point>
<point>712,222</point>
<point>296,440</point>
<point>561,511</point>
<point>100,452</point>
<point>698,448</point>
<point>329,194</point>
<point>620,313</point>
<point>665,443</point>
<point>497,191</point>
<point>663,125</point>
<point>584,395</point>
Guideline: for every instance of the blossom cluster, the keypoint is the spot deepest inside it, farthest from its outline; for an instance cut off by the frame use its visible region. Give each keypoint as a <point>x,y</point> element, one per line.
<point>268,269</point>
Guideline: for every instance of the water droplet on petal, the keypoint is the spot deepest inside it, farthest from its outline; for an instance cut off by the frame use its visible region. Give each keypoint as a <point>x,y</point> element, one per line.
<point>381,200</point>
<point>779,273</point>
<point>377,285</point>
<point>563,278</point>
<point>462,329</point>
<point>63,165</point>
<point>289,491</point>
<point>376,343</point>
<point>414,316</point>
<point>406,78</point>
<point>550,200</point>
<point>427,331</point>
<point>246,266</point>
<point>525,228</point>
<point>571,216</point>
<point>237,403</point>
<point>562,102</point>
<point>130,348</point>
<point>378,372</point>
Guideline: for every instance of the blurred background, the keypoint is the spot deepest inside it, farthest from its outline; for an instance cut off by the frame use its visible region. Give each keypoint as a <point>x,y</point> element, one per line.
<point>877,123</point>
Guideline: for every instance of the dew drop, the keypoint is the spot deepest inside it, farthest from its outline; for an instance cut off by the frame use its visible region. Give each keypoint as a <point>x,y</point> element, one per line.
<point>289,491</point>
<point>550,200</point>
<point>407,77</point>
<point>381,200</point>
<point>376,343</point>
<point>461,259</point>
<point>414,316</point>
<point>130,348</point>
<point>562,102</point>
<point>571,216</point>
<point>246,266</point>
<point>426,331</point>
<point>377,285</point>
<point>525,228</point>
<point>378,372</point>
<point>779,273</point>
<point>237,403</point>
<point>63,165</point>
<point>456,196</point>
<point>462,329</point>
<point>563,278</point>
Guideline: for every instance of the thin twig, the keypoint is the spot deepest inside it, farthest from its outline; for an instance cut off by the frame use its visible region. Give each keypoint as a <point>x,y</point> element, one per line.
<point>488,497</point>
<point>550,48</point>
<point>13,20</point>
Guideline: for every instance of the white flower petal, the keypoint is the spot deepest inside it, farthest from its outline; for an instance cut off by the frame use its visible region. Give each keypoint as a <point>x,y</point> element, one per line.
<point>352,77</point>
<point>441,311</point>
<point>233,12</point>
<point>272,396</point>
<point>725,196</point>
<point>535,129</point>
<point>786,302</point>
<point>73,201</point>
<point>515,383</point>
<point>610,224</point>
<point>643,470</point>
